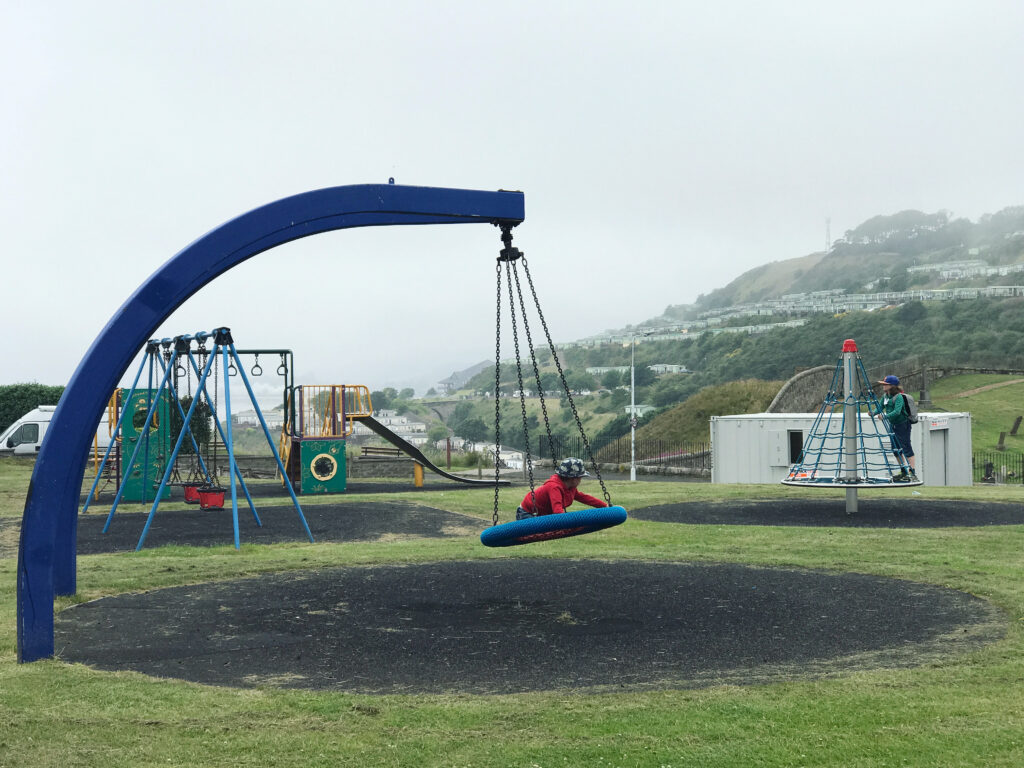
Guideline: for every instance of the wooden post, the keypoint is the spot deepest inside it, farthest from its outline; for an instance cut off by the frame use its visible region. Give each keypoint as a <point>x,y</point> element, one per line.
<point>1016,425</point>
<point>1002,442</point>
<point>417,474</point>
<point>924,396</point>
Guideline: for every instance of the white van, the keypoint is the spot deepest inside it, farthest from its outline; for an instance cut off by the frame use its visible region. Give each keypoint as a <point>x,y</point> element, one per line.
<point>25,436</point>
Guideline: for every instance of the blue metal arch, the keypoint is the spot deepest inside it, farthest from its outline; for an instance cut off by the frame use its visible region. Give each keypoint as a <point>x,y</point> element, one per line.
<point>47,549</point>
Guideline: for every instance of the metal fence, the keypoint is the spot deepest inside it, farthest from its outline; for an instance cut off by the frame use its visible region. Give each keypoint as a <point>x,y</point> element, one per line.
<point>648,452</point>
<point>988,466</point>
<point>997,467</point>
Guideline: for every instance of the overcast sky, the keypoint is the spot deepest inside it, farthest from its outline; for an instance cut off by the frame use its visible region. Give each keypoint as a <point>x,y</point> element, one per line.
<point>663,147</point>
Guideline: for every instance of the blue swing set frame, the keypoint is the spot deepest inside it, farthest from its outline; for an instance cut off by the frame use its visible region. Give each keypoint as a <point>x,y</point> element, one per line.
<point>223,349</point>
<point>47,557</point>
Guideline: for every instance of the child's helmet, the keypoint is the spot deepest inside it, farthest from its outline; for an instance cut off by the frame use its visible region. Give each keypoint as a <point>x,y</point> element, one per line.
<point>571,468</point>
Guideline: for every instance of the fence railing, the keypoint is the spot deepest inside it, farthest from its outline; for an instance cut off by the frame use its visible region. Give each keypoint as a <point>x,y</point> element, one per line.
<point>988,466</point>
<point>649,452</point>
<point>997,467</point>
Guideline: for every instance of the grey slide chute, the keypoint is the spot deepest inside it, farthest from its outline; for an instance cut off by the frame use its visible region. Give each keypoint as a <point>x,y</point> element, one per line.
<point>416,454</point>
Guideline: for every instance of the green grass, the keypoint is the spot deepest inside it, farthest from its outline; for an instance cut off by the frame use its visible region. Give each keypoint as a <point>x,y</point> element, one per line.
<point>965,710</point>
<point>992,411</point>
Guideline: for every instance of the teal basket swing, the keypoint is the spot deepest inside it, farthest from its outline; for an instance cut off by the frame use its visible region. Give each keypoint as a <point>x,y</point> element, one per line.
<point>543,527</point>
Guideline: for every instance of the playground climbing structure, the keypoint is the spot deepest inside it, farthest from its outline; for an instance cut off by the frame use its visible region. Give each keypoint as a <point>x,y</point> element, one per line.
<point>850,444</point>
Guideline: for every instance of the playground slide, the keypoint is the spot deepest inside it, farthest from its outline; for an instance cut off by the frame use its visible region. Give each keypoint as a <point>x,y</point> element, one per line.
<point>415,453</point>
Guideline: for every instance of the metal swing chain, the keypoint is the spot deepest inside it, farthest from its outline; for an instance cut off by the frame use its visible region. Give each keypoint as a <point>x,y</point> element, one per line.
<point>536,369</point>
<point>497,384</point>
<point>216,416</point>
<point>519,374</point>
<point>194,473</point>
<point>172,393</point>
<point>565,384</point>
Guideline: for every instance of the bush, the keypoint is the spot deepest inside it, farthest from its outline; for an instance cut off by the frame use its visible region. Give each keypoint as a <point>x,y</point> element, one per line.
<point>18,399</point>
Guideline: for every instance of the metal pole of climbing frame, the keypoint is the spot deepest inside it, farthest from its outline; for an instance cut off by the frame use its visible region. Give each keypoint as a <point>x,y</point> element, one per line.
<point>850,421</point>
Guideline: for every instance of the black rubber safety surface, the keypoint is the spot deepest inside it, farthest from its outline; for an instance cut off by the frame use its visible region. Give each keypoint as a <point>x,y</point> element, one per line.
<point>516,625</point>
<point>831,512</point>
<point>351,521</point>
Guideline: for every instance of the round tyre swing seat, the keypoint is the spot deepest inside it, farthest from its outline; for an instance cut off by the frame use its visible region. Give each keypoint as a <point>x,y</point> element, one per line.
<point>546,527</point>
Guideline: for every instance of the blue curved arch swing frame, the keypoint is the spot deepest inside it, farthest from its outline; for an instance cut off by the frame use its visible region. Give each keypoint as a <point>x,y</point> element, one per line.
<point>47,558</point>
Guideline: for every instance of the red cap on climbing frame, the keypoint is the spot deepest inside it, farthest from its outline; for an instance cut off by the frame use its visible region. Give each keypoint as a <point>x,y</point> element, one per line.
<point>849,345</point>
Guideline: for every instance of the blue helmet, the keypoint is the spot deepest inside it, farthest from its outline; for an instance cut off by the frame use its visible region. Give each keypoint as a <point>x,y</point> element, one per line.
<point>571,468</point>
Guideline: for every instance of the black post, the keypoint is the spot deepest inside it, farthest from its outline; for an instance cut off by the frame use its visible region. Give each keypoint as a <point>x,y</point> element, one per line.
<point>924,396</point>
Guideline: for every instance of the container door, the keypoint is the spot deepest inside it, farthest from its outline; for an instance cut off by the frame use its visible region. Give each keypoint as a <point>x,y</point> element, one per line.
<point>936,457</point>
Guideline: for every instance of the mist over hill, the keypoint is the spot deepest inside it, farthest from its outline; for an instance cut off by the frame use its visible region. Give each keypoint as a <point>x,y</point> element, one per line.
<point>904,251</point>
<point>885,253</point>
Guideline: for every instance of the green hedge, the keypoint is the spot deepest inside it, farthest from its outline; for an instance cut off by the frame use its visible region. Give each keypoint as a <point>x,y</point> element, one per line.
<point>18,399</point>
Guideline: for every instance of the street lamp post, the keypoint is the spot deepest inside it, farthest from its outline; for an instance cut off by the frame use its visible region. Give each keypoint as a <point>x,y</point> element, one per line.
<point>632,411</point>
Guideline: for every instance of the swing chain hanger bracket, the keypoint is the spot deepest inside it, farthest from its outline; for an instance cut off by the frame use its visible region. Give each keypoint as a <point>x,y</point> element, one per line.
<point>508,253</point>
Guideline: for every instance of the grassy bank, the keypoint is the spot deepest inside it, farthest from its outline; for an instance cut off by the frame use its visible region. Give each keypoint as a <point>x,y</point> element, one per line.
<point>994,402</point>
<point>966,710</point>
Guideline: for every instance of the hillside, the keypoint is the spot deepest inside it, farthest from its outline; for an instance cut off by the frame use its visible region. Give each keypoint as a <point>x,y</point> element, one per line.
<point>876,256</point>
<point>688,422</point>
<point>767,281</point>
<point>885,254</point>
<point>994,403</point>
<point>981,332</point>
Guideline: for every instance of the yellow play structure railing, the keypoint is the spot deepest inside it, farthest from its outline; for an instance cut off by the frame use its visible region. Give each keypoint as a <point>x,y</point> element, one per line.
<point>323,410</point>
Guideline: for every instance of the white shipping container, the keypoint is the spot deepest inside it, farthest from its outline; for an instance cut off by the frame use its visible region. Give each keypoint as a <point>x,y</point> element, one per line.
<point>761,447</point>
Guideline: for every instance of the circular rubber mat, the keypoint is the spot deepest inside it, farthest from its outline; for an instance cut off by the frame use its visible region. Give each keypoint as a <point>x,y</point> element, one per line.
<point>514,625</point>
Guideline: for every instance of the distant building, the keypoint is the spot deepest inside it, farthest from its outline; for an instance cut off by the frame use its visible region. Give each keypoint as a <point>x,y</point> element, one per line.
<point>660,368</point>
<point>414,432</point>
<point>639,410</point>
<point>274,419</point>
<point>509,459</point>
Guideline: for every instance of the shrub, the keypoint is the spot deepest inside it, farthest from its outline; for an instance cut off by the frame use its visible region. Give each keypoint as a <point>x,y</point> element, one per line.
<point>18,399</point>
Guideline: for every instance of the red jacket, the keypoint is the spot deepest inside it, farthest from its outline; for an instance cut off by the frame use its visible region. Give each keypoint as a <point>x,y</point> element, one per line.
<point>553,498</point>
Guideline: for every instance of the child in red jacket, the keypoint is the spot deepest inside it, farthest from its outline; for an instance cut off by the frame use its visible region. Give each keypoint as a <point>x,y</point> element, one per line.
<point>561,490</point>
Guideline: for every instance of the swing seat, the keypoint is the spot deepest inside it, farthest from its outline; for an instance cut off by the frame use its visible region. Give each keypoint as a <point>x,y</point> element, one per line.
<point>192,493</point>
<point>547,527</point>
<point>211,498</point>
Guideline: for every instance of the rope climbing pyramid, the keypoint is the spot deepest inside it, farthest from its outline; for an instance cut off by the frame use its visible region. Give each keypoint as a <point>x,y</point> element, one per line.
<point>847,446</point>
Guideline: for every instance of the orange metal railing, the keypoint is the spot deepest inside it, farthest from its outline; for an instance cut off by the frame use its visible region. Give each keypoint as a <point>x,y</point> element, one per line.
<point>326,410</point>
<point>323,410</point>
